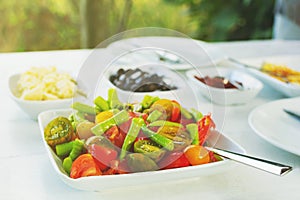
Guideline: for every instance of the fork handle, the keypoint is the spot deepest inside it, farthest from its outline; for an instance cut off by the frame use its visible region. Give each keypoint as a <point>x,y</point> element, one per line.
<point>265,165</point>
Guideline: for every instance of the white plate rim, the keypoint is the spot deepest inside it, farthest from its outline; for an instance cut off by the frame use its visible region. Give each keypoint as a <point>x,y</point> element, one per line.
<point>253,114</point>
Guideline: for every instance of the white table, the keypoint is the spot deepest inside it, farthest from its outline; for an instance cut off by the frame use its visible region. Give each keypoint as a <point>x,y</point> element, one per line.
<point>26,172</point>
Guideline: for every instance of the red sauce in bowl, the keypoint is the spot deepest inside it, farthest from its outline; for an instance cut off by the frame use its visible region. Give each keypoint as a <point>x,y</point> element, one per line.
<point>217,82</point>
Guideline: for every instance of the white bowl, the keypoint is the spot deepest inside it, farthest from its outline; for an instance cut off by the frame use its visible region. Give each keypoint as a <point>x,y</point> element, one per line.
<point>251,86</point>
<point>108,182</point>
<point>33,108</point>
<point>173,77</point>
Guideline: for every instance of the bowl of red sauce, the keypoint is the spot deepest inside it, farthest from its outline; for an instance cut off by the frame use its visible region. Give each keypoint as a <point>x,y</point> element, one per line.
<point>224,85</point>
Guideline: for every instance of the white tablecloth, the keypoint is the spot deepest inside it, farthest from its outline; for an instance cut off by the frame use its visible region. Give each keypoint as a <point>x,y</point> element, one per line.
<point>26,172</point>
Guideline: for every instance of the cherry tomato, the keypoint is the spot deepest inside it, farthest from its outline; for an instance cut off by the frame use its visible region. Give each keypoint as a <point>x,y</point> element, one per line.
<point>115,136</point>
<point>84,166</point>
<point>150,149</point>
<point>197,155</point>
<point>175,116</point>
<point>174,160</point>
<point>124,127</point>
<point>102,116</point>
<point>179,136</point>
<point>59,130</point>
<point>205,124</point>
<point>103,155</point>
<point>163,105</point>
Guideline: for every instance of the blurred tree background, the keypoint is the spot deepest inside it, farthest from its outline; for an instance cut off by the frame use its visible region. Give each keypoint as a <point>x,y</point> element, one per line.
<point>28,25</point>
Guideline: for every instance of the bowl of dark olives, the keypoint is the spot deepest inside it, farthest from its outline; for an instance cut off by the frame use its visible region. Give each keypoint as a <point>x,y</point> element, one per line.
<point>134,82</point>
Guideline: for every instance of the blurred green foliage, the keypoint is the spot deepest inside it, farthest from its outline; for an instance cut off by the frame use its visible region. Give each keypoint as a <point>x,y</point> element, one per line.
<point>223,20</point>
<point>129,14</point>
<point>28,25</point>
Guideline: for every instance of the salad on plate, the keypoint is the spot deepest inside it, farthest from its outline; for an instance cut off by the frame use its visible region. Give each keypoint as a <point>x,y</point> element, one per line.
<point>111,137</point>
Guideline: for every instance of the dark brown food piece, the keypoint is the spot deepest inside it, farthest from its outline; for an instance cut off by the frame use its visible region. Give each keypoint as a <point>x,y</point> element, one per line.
<point>139,81</point>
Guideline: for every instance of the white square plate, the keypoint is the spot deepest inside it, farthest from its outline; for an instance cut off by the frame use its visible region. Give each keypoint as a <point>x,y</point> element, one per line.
<point>291,61</point>
<point>100,183</point>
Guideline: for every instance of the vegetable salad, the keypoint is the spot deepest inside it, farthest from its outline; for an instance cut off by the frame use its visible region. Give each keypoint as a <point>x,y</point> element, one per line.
<point>111,137</point>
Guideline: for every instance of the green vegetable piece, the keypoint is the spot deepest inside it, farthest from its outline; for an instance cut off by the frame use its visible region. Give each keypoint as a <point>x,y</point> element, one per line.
<point>113,100</point>
<point>117,119</point>
<point>133,132</point>
<point>165,123</point>
<point>159,139</point>
<point>84,108</point>
<point>67,164</point>
<point>75,118</point>
<point>196,114</point>
<point>150,149</point>
<point>137,107</point>
<point>97,109</point>
<point>64,149</point>
<point>148,101</point>
<point>77,149</point>
<point>137,162</point>
<point>79,116</point>
<point>71,118</point>
<point>193,130</point>
<point>186,113</point>
<point>155,115</point>
<point>101,103</point>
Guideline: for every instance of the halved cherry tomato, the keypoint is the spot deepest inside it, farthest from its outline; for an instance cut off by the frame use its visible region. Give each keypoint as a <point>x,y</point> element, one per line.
<point>115,136</point>
<point>205,124</point>
<point>102,116</point>
<point>103,155</point>
<point>197,155</point>
<point>150,149</point>
<point>124,127</point>
<point>59,130</point>
<point>180,137</point>
<point>84,166</point>
<point>175,116</point>
<point>174,160</point>
<point>163,105</point>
